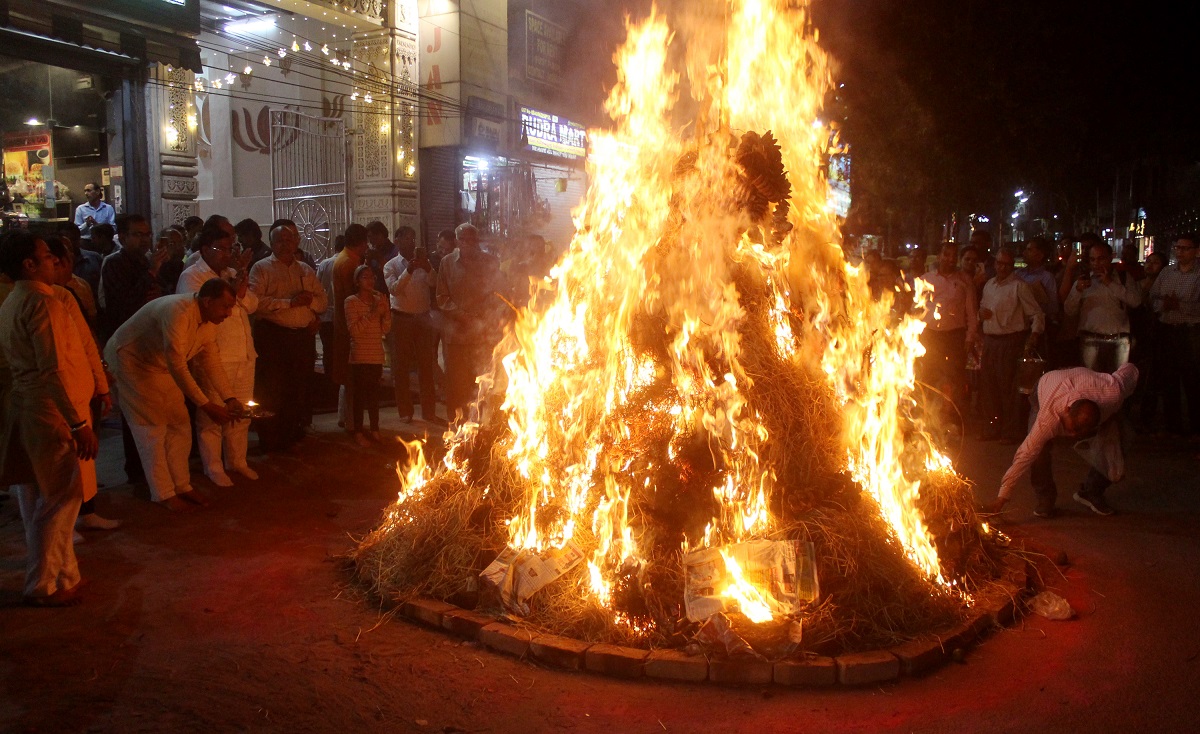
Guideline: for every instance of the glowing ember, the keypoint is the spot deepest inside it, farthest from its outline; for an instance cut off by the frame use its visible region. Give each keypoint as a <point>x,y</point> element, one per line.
<point>704,268</point>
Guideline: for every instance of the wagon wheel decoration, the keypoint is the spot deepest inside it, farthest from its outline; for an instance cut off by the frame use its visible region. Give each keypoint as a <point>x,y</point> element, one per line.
<point>312,220</point>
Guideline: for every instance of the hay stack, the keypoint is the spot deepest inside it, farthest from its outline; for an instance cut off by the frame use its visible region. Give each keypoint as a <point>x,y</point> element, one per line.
<point>441,539</point>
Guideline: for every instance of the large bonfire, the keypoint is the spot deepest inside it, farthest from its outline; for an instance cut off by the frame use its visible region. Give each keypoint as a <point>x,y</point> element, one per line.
<point>702,429</point>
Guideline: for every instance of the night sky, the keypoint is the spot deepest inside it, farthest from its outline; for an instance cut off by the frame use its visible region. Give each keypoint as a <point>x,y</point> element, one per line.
<point>952,105</point>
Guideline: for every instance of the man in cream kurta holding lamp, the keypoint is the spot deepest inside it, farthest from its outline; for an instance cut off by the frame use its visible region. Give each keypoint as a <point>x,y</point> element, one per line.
<point>149,356</point>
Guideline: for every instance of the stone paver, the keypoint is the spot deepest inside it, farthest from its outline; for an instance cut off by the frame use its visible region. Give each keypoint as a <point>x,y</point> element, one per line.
<point>620,662</point>
<point>676,665</point>
<point>809,673</point>
<point>560,652</point>
<point>867,667</point>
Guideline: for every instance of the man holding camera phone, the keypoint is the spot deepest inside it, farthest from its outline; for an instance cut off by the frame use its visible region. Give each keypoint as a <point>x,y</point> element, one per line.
<point>1101,298</point>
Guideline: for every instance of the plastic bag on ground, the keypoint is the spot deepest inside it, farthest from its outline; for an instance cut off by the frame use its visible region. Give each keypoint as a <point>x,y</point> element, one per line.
<point>1051,606</point>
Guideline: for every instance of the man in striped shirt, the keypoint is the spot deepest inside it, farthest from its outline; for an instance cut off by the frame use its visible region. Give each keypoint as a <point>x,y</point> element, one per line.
<point>1074,403</point>
<point>1175,297</point>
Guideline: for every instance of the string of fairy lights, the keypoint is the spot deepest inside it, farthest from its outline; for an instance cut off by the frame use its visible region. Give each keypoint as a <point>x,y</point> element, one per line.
<point>311,55</point>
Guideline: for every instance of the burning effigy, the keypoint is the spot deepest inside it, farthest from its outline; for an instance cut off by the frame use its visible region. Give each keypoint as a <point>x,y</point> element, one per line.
<point>702,430</point>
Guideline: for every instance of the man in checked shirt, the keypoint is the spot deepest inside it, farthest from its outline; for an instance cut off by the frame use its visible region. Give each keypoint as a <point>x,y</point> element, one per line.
<point>289,300</point>
<point>1074,402</point>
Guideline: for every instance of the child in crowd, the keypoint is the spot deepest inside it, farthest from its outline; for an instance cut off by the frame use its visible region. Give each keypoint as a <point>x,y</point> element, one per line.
<point>368,318</point>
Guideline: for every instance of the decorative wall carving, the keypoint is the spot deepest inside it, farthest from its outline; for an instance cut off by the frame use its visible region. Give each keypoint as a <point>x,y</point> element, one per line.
<point>405,65</point>
<point>180,117</point>
<point>372,140</point>
<point>371,9</point>
<point>179,211</point>
<point>175,187</point>
<point>385,129</point>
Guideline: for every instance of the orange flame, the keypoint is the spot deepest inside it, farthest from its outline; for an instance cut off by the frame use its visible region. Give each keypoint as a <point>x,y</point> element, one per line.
<point>751,602</point>
<point>569,366</point>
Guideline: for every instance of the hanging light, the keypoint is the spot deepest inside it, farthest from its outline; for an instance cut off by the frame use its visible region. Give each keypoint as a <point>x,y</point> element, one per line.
<point>325,48</point>
<point>307,46</point>
<point>247,70</point>
<point>266,60</point>
<point>216,83</point>
<point>295,45</point>
<point>281,52</point>
<point>354,96</point>
<point>230,78</point>
<point>368,99</point>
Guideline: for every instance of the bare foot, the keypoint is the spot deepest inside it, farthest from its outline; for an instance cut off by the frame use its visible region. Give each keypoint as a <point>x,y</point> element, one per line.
<point>175,504</point>
<point>61,598</point>
<point>196,497</point>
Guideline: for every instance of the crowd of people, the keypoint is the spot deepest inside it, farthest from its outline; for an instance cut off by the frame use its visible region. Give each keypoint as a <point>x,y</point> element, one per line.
<point>1120,337</point>
<point>209,331</point>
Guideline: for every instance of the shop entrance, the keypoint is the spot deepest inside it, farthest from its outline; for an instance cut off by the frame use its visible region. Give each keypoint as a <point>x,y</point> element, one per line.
<point>55,138</point>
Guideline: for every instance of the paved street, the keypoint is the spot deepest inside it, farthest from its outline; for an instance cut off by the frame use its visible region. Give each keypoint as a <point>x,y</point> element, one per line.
<point>239,617</point>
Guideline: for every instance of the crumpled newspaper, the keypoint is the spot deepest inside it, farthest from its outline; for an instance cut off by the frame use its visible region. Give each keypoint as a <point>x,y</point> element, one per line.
<point>784,571</point>
<point>519,574</point>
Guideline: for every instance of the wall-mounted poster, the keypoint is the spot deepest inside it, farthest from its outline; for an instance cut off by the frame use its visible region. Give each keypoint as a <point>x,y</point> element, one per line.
<point>26,155</point>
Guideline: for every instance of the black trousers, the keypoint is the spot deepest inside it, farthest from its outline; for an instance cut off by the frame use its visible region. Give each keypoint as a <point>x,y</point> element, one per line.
<point>998,392</point>
<point>365,381</point>
<point>1180,370</point>
<point>414,342</point>
<point>944,364</point>
<point>464,363</point>
<point>283,376</point>
<point>133,461</point>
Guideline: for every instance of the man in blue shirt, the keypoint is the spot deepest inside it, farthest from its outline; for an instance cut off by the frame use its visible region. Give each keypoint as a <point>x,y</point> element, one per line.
<point>92,212</point>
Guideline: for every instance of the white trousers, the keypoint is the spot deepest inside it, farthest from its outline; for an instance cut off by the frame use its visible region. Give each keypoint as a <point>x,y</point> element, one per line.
<point>164,452</point>
<point>49,509</point>
<point>231,439</point>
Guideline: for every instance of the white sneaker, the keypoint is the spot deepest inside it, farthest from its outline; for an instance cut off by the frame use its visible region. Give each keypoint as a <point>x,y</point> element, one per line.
<point>95,522</point>
<point>221,479</point>
<point>245,471</point>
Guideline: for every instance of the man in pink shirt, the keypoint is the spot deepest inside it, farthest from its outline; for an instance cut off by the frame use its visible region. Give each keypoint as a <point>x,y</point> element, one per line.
<point>1075,402</point>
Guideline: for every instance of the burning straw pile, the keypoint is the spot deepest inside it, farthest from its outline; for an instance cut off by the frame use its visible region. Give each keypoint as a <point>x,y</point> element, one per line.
<point>701,431</point>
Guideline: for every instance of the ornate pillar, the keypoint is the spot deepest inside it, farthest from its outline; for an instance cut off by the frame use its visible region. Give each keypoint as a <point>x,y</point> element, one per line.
<point>385,128</point>
<point>171,128</point>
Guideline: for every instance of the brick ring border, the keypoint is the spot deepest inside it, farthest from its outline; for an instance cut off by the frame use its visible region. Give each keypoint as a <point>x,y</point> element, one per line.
<point>854,669</point>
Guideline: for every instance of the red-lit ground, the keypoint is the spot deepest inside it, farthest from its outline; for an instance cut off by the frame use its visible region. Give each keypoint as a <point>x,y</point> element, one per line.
<point>237,617</point>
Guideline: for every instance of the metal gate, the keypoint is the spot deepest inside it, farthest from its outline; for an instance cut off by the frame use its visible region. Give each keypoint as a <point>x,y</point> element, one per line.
<point>308,177</point>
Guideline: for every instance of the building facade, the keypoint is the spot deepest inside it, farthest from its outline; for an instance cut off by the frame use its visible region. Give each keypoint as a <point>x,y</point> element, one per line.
<point>502,145</point>
<point>86,90</point>
<point>308,111</point>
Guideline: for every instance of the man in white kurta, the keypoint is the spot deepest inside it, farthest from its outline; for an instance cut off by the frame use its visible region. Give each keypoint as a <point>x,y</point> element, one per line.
<point>48,416</point>
<point>149,356</point>
<point>236,345</point>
